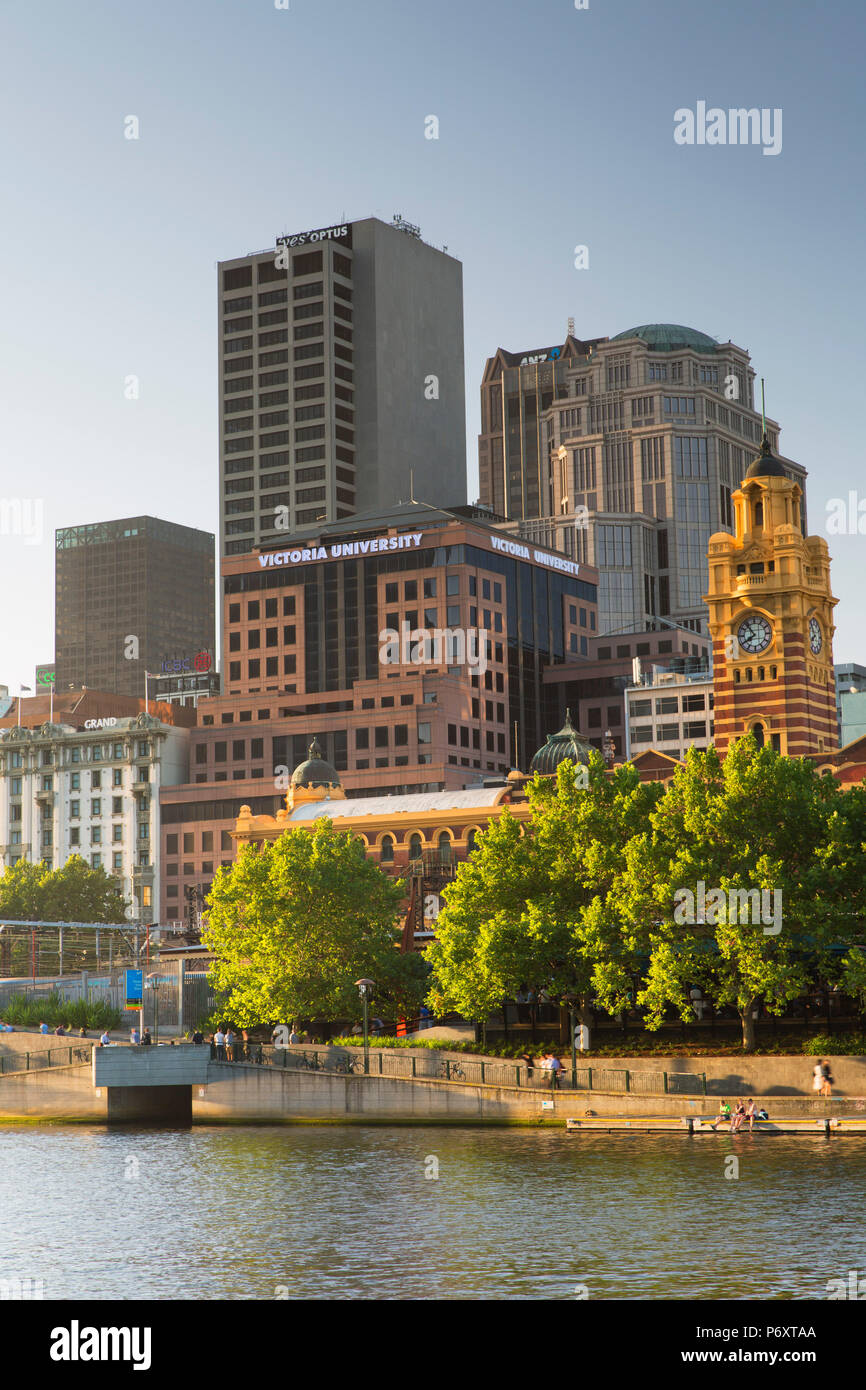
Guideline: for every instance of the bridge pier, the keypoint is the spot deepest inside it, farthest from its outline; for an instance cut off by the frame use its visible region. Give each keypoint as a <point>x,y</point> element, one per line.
<point>150,1105</point>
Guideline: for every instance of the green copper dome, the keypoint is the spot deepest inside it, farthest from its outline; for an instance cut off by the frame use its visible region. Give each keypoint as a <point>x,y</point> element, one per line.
<point>566,744</point>
<point>315,772</point>
<point>668,337</point>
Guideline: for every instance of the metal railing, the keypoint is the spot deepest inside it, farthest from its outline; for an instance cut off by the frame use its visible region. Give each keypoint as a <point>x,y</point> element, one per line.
<point>427,1063</point>
<point>38,1061</point>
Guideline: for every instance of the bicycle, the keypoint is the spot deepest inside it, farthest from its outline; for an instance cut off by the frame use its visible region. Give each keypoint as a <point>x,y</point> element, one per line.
<point>453,1071</point>
<point>310,1061</point>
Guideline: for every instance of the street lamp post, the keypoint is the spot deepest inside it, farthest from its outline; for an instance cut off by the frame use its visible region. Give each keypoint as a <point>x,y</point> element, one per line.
<point>569,1001</point>
<point>365,988</point>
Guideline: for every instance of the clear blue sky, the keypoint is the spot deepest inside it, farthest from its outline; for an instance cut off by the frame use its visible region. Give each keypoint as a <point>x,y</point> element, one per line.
<point>556,128</point>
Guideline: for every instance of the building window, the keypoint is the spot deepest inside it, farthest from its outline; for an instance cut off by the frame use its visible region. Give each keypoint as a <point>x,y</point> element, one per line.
<point>387,853</point>
<point>415,845</point>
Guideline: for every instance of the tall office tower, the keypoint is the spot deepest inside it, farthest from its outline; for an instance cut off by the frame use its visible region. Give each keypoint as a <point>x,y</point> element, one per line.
<point>341,356</point>
<point>587,448</point>
<point>129,596</point>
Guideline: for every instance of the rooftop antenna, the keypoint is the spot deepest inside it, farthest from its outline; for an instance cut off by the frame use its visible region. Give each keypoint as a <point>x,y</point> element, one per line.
<point>411,484</point>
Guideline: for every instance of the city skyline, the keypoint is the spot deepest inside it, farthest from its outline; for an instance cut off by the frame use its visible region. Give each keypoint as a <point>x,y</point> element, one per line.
<point>113,280</point>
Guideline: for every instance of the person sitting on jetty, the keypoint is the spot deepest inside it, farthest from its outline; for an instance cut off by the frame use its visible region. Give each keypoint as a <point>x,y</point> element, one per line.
<point>752,1113</point>
<point>738,1116</point>
<point>724,1114</point>
<point>826,1081</point>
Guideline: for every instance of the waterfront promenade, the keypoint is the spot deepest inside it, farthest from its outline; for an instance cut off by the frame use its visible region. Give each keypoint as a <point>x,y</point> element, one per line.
<point>323,1085</point>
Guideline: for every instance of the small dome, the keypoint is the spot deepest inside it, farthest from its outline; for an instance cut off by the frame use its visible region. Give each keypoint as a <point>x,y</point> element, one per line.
<point>668,337</point>
<point>566,744</point>
<point>315,772</point>
<point>766,465</point>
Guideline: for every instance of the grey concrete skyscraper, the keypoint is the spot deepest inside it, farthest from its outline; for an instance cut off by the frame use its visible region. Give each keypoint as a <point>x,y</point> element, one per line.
<point>131,596</point>
<point>341,376</point>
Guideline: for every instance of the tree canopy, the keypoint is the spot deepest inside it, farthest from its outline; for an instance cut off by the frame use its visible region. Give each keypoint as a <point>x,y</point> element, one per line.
<point>295,923</point>
<point>742,876</point>
<point>74,893</point>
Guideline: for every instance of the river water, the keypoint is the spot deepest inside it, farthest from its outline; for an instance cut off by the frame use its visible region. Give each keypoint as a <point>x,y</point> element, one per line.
<point>328,1212</point>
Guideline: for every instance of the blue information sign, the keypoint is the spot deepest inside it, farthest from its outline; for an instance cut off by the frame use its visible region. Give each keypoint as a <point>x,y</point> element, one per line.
<point>133,988</point>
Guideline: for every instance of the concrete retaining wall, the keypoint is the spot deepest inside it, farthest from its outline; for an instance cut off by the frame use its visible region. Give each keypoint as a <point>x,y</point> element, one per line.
<point>262,1093</point>
<point>63,1093</point>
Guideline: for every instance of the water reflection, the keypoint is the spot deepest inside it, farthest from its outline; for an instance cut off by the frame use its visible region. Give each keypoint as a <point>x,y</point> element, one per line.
<point>352,1213</point>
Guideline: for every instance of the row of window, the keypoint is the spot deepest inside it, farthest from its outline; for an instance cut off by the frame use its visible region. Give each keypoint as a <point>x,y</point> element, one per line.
<point>670,704</point>
<point>142,774</point>
<point>98,753</point>
<point>667,733</point>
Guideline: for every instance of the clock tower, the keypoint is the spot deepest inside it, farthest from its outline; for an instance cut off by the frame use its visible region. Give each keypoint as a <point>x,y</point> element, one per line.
<point>771,620</point>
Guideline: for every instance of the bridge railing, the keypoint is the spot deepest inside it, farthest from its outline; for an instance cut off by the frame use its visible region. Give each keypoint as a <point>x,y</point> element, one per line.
<point>38,1061</point>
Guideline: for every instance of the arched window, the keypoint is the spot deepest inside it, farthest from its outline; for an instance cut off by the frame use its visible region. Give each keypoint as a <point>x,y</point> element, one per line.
<point>758,732</point>
<point>444,848</point>
<point>736,675</point>
<point>760,673</point>
<point>415,846</point>
<point>759,514</point>
<point>387,850</point>
<point>471,841</point>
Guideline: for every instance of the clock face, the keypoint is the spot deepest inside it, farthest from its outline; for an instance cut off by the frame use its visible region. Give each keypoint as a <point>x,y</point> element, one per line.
<point>816,640</point>
<point>754,634</point>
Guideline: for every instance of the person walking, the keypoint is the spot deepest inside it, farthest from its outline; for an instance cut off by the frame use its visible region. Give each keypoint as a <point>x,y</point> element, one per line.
<point>826,1081</point>
<point>230,1045</point>
<point>134,1037</point>
<point>146,1039</point>
<point>724,1114</point>
<point>751,1113</point>
<point>555,1069</point>
<point>818,1077</point>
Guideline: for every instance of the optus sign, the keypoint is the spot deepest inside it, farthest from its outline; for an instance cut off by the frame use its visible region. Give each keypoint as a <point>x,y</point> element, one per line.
<point>202,661</point>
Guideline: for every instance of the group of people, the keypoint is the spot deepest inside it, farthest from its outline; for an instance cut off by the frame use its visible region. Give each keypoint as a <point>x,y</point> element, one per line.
<point>140,1039</point>
<point>742,1112</point>
<point>61,1031</point>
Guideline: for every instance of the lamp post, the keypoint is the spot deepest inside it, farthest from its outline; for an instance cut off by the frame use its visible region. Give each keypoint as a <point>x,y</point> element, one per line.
<point>569,1000</point>
<point>365,989</point>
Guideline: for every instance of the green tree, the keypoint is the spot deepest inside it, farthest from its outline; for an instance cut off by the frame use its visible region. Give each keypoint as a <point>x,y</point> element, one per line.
<point>753,823</point>
<point>532,907</point>
<point>74,893</point>
<point>78,893</point>
<point>293,924</point>
<point>22,891</point>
